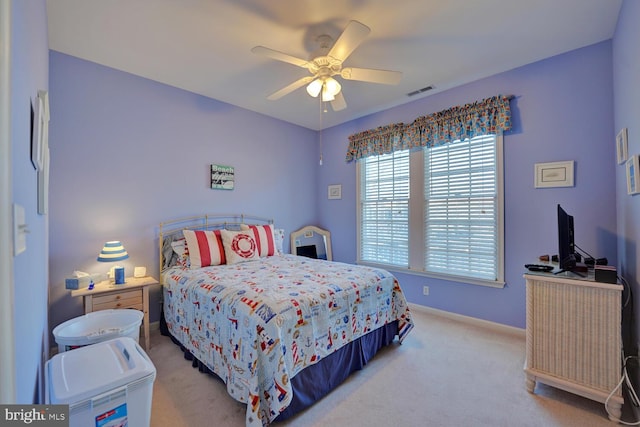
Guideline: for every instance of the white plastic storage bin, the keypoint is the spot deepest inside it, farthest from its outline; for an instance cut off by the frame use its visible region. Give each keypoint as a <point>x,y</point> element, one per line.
<point>98,326</point>
<point>106,384</point>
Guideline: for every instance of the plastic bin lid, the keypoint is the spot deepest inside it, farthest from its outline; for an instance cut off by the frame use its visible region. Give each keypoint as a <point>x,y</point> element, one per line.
<point>102,322</point>
<point>86,372</point>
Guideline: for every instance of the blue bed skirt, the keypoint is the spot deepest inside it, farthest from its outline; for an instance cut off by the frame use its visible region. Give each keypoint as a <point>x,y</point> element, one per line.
<point>316,381</point>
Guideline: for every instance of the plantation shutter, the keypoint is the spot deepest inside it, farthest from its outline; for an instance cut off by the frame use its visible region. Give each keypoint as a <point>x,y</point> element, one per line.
<point>461,208</point>
<point>384,199</point>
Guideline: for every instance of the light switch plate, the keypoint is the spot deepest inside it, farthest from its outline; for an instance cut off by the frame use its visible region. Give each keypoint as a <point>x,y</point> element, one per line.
<point>19,230</point>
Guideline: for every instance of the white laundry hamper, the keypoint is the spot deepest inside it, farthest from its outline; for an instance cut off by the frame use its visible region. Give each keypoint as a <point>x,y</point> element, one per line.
<point>108,384</point>
<point>98,326</point>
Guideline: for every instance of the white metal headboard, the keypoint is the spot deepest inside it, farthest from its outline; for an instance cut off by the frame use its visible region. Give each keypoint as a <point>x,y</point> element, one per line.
<point>172,229</point>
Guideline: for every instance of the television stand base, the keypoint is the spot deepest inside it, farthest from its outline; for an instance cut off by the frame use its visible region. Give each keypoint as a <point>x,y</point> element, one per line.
<point>570,271</point>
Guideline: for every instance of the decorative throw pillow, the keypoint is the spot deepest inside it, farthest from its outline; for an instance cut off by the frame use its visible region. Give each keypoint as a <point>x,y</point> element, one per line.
<point>239,246</point>
<point>169,257</point>
<point>278,236</point>
<point>264,238</point>
<point>205,248</point>
<point>182,253</point>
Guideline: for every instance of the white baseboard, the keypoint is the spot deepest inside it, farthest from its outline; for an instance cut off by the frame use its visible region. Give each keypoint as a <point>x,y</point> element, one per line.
<point>468,319</point>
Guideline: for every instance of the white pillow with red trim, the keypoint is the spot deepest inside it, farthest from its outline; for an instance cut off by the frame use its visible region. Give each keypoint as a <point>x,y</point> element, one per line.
<point>239,246</point>
<point>205,248</point>
<point>265,238</point>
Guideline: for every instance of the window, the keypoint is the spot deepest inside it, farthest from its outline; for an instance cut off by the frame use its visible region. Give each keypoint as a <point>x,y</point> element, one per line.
<point>384,209</point>
<point>445,203</point>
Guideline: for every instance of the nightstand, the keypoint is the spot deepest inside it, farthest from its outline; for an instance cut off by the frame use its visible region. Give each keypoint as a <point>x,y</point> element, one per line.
<point>134,293</point>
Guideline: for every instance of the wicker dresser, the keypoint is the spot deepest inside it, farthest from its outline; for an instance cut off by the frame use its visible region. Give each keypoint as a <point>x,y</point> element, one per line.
<point>574,337</point>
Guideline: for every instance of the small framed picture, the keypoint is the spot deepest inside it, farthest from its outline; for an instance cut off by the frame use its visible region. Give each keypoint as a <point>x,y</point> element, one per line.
<point>335,191</point>
<point>633,175</point>
<point>43,185</point>
<point>222,177</point>
<point>554,174</point>
<point>621,146</point>
<point>40,131</point>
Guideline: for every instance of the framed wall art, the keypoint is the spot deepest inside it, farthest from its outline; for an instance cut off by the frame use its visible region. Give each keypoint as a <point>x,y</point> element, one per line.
<point>335,191</point>
<point>633,175</point>
<point>40,129</point>
<point>43,184</point>
<point>222,177</point>
<point>554,174</point>
<point>621,146</point>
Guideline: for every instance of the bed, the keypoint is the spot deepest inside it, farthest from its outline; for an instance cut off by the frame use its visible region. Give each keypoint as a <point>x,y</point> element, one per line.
<point>279,330</point>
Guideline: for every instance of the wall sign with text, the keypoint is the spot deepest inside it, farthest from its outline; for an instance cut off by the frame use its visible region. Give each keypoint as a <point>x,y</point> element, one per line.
<point>222,177</point>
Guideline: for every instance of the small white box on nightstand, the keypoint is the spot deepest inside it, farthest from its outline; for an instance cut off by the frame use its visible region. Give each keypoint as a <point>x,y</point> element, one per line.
<point>139,271</point>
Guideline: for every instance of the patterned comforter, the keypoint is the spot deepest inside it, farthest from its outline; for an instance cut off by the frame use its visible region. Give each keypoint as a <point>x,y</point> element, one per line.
<point>257,324</point>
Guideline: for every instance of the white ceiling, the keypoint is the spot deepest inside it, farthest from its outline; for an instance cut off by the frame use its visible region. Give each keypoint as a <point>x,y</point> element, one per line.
<point>204,46</point>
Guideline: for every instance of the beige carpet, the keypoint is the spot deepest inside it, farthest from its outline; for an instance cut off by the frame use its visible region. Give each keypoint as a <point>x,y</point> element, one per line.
<point>448,372</point>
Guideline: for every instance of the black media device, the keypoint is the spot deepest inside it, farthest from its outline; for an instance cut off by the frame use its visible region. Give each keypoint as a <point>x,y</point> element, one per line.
<point>310,251</point>
<point>566,245</point>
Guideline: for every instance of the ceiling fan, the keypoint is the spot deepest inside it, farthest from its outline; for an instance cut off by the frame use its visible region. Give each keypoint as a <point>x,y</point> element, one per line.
<point>326,62</point>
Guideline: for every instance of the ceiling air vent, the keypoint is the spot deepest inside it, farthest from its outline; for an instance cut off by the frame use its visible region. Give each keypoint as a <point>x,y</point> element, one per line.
<point>424,89</point>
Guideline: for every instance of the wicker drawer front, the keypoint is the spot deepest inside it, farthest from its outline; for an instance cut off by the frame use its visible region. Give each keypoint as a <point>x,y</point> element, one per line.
<point>124,299</point>
<point>575,333</point>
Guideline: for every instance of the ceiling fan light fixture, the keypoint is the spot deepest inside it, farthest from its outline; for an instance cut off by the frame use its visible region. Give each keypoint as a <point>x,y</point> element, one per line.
<point>314,88</point>
<point>326,62</point>
<point>332,86</point>
<point>326,95</point>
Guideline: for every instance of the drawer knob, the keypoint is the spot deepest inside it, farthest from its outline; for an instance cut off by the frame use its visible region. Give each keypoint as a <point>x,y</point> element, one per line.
<point>118,305</point>
<point>118,297</point>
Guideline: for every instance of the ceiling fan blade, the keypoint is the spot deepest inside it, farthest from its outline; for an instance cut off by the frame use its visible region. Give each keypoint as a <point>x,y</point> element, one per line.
<point>279,56</point>
<point>339,103</point>
<point>288,89</point>
<point>372,76</point>
<point>350,39</point>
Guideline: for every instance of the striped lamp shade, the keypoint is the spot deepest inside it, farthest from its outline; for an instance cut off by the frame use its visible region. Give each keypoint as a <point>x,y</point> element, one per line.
<point>113,251</point>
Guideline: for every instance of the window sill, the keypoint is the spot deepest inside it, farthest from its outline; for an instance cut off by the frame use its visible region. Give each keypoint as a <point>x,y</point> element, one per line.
<point>447,277</point>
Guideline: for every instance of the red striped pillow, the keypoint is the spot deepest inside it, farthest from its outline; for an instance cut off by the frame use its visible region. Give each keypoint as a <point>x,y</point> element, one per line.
<point>264,238</point>
<point>205,247</point>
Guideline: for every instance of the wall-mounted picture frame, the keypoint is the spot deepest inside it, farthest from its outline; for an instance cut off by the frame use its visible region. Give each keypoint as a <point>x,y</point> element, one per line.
<point>554,174</point>
<point>40,129</point>
<point>334,191</point>
<point>43,184</point>
<point>633,175</point>
<point>621,146</point>
<point>222,177</point>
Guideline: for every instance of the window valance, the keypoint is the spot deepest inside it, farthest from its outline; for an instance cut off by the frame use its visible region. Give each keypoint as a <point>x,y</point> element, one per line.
<point>381,140</point>
<point>489,116</point>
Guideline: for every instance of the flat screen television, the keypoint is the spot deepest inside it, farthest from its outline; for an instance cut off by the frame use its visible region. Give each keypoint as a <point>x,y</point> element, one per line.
<point>310,251</point>
<point>566,244</point>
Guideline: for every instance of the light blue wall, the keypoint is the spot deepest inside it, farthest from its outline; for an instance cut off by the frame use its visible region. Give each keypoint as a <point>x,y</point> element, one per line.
<point>128,153</point>
<point>29,73</point>
<point>563,110</point>
<point>626,78</point>
<point>161,139</point>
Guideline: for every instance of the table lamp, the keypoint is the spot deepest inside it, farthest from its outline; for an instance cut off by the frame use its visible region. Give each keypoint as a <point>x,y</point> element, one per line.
<point>111,252</point>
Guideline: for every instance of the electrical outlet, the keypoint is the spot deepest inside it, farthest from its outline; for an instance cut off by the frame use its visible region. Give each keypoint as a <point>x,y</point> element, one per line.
<point>425,290</point>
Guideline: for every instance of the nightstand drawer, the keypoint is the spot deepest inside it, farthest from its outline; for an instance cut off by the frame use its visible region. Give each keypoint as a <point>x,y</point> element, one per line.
<point>124,299</point>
